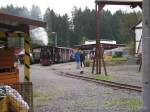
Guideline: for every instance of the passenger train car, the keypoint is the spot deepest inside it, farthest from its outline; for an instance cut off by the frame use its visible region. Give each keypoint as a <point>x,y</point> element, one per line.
<point>47,55</point>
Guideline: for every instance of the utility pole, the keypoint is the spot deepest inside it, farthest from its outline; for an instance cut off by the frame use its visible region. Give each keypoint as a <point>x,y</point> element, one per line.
<point>146,55</point>
<point>55,38</point>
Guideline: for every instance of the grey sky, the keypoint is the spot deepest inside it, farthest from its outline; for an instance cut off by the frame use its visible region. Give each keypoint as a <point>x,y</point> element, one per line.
<point>60,6</point>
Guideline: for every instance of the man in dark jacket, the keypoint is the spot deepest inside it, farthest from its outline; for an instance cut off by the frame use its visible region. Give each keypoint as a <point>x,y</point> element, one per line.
<point>82,59</point>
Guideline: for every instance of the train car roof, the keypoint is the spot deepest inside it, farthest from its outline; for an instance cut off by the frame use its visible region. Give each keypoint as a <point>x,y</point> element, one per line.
<point>53,47</point>
<point>65,47</point>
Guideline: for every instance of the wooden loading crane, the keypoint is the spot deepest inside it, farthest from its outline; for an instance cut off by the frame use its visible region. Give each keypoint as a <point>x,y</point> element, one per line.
<point>99,6</point>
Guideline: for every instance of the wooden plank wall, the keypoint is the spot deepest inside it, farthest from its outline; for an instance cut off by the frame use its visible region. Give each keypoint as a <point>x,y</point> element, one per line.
<point>7,57</point>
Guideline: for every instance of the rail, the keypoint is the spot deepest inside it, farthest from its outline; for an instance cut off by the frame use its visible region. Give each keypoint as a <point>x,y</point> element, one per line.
<point>104,82</point>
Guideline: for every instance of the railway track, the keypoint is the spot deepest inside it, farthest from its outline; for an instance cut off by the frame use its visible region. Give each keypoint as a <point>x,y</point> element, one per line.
<point>104,82</point>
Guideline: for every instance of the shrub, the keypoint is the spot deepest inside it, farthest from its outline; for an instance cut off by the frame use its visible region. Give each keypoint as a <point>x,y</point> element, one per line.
<point>87,63</point>
<point>117,54</point>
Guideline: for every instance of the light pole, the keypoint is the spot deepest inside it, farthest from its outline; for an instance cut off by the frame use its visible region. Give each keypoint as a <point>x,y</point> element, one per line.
<point>55,38</point>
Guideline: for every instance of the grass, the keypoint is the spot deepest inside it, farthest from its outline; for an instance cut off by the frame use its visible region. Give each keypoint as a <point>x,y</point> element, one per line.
<point>40,98</point>
<point>119,59</point>
<point>103,77</point>
<point>132,103</point>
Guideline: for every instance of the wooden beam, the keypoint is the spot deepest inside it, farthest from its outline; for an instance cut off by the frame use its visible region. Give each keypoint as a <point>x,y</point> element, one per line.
<point>119,2</point>
<point>12,28</point>
<point>21,20</point>
<point>10,34</point>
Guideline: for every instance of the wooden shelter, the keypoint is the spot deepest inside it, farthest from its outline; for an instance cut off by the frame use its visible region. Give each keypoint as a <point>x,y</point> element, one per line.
<point>14,26</point>
<point>11,27</point>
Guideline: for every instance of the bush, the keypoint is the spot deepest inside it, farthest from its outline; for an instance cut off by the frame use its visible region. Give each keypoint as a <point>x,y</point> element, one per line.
<point>87,63</point>
<point>117,54</point>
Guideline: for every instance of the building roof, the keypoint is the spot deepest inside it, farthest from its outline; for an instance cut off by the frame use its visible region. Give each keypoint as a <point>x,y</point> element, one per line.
<point>103,41</point>
<point>104,45</point>
<point>121,2</point>
<point>16,23</point>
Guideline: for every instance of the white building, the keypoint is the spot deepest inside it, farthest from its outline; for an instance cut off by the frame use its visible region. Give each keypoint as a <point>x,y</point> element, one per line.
<point>138,38</point>
<point>121,50</point>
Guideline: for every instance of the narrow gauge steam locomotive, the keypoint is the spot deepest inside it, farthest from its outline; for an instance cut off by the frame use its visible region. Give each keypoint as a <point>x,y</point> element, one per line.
<point>47,55</point>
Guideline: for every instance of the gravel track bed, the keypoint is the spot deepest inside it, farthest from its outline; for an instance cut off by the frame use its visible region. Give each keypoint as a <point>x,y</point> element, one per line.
<point>54,93</point>
<point>127,74</point>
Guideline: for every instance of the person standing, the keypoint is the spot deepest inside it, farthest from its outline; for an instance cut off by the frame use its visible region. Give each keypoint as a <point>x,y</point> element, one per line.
<point>82,59</point>
<point>77,59</point>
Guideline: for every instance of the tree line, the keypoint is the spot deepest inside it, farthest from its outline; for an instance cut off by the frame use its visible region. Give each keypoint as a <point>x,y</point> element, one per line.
<point>81,25</point>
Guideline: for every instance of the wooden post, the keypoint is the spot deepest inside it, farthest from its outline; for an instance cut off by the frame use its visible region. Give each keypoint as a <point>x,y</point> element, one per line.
<point>27,58</point>
<point>93,66</point>
<point>103,61</point>
<point>97,58</point>
<point>27,68</point>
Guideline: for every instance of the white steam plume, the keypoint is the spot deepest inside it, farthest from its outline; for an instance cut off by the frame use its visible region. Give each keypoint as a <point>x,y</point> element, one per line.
<point>39,36</point>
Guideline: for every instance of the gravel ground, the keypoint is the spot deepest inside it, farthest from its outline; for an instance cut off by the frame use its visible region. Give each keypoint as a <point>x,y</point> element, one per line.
<point>123,73</point>
<point>54,93</point>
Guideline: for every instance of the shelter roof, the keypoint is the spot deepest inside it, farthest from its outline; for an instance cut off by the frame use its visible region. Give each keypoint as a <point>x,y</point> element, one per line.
<point>16,23</point>
<point>120,2</point>
<point>104,45</point>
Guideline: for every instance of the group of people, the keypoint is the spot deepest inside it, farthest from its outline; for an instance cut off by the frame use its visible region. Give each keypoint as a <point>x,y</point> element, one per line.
<point>79,58</point>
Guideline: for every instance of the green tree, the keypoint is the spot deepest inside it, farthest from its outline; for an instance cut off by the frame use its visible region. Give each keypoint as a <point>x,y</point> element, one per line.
<point>83,39</point>
<point>106,23</point>
<point>35,13</point>
<point>17,11</point>
<point>60,25</point>
<point>84,23</point>
<point>70,31</point>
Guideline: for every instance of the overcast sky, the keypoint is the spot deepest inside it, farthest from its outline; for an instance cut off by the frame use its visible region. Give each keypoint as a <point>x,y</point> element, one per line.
<point>60,6</point>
